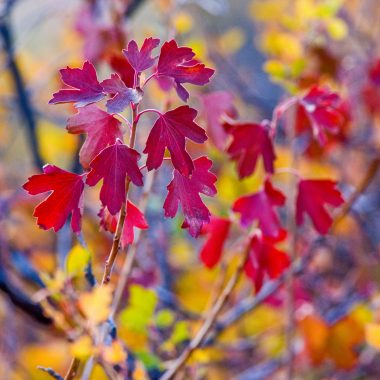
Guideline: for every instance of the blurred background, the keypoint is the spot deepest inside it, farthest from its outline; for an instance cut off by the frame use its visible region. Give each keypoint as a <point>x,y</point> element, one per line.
<point>263,51</point>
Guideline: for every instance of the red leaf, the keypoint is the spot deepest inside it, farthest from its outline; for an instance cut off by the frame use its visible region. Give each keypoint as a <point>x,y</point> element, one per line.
<point>170,131</point>
<point>186,191</point>
<point>178,63</point>
<point>260,207</point>
<point>134,218</point>
<point>123,68</point>
<point>85,86</point>
<point>265,259</point>
<point>122,96</point>
<point>215,106</point>
<point>217,231</point>
<point>141,60</point>
<point>371,89</point>
<point>374,73</point>
<point>102,129</point>
<point>249,142</point>
<point>65,199</point>
<point>113,164</point>
<point>320,107</point>
<point>313,195</point>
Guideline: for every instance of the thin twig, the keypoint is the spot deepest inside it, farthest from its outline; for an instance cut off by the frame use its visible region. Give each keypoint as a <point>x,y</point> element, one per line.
<point>73,370</point>
<point>123,211</point>
<point>292,229</point>
<point>208,323</point>
<point>131,253</point>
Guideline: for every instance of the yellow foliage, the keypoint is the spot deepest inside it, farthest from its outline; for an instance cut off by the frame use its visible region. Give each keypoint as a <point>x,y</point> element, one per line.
<point>282,44</point>
<point>232,40</point>
<point>82,348</point>
<point>337,28</point>
<point>199,47</point>
<point>56,145</point>
<point>53,354</point>
<point>95,305</point>
<point>372,335</point>
<point>183,22</point>
<point>115,353</point>
<point>77,260</point>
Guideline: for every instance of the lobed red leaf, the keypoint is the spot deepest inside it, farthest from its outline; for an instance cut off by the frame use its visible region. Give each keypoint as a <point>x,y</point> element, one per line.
<point>113,164</point>
<point>85,87</point>
<point>170,130</point>
<point>101,128</point>
<point>185,191</point>
<point>66,197</point>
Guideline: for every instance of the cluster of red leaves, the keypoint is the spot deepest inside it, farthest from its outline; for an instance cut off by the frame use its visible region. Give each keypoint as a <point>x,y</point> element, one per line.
<point>318,112</point>
<point>105,156</point>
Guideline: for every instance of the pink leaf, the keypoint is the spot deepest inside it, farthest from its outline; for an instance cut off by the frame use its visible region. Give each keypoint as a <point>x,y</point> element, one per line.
<point>178,63</point>
<point>113,164</point>
<point>185,191</point>
<point>313,195</point>
<point>217,231</point>
<point>101,128</point>
<point>85,86</point>
<point>122,96</point>
<point>170,131</point>
<point>141,60</point>
<point>215,106</point>
<point>134,218</point>
<point>260,207</point>
<point>65,199</point>
<point>265,259</point>
<point>123,68</point>
<point>249,142</point>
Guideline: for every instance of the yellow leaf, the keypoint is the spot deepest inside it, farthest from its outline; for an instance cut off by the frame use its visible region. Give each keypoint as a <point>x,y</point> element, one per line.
<point>115,353</point>
<point>77,260</point>
<point>232,40</point>
<point>372,335</point>
<point>55,143</point>
<point>95,305</point>
<point>337,29</point>
<point>82,347</point>
<point>199,48</point>
<point>183,22</point>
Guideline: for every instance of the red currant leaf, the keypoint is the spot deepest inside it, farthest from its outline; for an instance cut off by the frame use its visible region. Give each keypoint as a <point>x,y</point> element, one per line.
<point>85,88</point>
<point>170,131</point>
<point>249,142</point>
<point>121,95</point>
<point>124,69</point>
<point>185,191</point>
<point>265,260</point>
<point>178,63</point>
<point>101,128</point>
<point>65,199</point>
<point>320,107</point>
<point>141,59</point>
<point>134,218</point>
<point>260,207</point>
<point>217,231</point>
<point>313,195</point>
<point>113,164</point>
<point>215,106</point>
